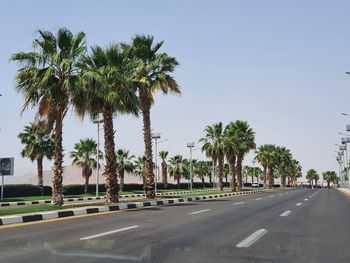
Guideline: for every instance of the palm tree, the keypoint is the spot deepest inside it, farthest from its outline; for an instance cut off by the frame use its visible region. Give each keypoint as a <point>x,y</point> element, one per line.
<point>257,173</point>
<point>38,144</point>
<point>201,170</point>
<point>153,73</point>
<point>330,176</point>
<point>241,137</point>
<point>163,155</point>
<point>48,76</point>
<point>107,88</point>
<point>139,168</point>
<point>124,164</point>
<point>177,168</point>
<point>226,172</point>
<point>312,175</point>
<point>83,156</point>
<point>213,147</point>
<point>284,162</point>
<point>262,155</point>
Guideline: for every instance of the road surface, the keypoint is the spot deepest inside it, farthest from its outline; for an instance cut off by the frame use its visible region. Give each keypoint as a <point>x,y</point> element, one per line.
<point>304,225</point>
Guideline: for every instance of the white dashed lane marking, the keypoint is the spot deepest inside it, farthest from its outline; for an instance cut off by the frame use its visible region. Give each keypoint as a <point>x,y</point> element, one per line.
<point>252,238</point>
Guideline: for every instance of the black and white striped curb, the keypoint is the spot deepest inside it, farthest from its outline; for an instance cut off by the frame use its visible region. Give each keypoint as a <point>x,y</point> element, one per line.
<point>66,200</point>
<point>7,220</point>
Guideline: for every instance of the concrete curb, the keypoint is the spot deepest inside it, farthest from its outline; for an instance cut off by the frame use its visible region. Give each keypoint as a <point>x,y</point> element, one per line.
<point>345,191</point>
<point>67,200</point>
<point>25,218</point>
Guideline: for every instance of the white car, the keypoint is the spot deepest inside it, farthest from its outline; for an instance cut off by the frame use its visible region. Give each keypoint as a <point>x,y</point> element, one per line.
<point>255,185</point>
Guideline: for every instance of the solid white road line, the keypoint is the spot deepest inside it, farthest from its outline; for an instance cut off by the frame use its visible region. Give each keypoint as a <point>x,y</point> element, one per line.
<point>298,204</point>
<point>286,213</point>
<point>310,196</point>
<point>110,232</point>
<point>252,238</point>
<point>306,199</point>
<point>198,212</point>
<point>239,203</point>
<point>271,195</point>
<point>258,198</point>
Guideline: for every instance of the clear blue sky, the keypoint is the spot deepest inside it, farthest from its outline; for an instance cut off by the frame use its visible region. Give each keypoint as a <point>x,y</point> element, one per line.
<point>277,64</point>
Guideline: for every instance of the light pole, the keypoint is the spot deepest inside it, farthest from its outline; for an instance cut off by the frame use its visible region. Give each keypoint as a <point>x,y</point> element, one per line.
<point>155,137</point>
<point>98,154</point>
<point>191,145</point>
<point>253,162</point>
<point>345,142</point>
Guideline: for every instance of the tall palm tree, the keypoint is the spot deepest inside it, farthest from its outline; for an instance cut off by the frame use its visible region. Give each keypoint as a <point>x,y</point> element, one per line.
<point>284,162</point>
<point>139,168</point>
<point>312,176</point>
<point>83,156</point>
<point>38,144</point>
<point>200,170</point>
<point>330,176</point>
<point>163,155</point>
<point>47,78</point>
<point>241,136</point>
<point>107,88</point>
<point>213,147</point>
<point>262,155</point>
<point>152,74</point>
<point>124,164</point>
<point>177,168</point>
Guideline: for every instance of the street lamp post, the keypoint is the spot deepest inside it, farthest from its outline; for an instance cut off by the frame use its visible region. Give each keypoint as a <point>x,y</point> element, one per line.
<point>98,122</point>
<point>155,137</point>
<point>253,162</point>
<point>191,145</point>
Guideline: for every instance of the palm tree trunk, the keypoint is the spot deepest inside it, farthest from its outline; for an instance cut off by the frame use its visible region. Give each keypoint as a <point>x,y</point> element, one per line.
<point>86,184</point>
<point>270,178</point>
<point>232,162</point>
<point>239,174</point>
<point>178,181</point>
<point>226,178</point>
<point>57,196</point>
<point>264,175</point>
<point>252,176</point>
<point>110,172</point>
<point>39,162</point>
<point>203,182</point>
<point>220,171</point>
<point>121,185</point>
<point>147,137</point>
<point>165,174</point>
<point>210,179</point>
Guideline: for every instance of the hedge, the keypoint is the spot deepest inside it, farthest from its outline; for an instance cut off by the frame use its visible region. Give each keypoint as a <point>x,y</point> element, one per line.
<point>21,190</point>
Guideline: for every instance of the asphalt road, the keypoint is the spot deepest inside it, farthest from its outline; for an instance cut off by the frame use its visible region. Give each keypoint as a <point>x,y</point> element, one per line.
<point>305,225</point>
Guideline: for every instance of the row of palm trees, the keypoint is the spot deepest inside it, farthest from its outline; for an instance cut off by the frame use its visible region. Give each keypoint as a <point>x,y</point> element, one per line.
<point>60,73</point>
<point>233,142</point>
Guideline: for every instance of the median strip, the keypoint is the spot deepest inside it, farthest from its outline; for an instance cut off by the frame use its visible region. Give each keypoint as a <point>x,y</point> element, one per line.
<point>75,199</point>
<point>109,232</point>
<point>252,239</point>
<point>39,216</point>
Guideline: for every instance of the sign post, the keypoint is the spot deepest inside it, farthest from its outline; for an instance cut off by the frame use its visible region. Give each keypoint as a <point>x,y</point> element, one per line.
<point>6,168</point>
